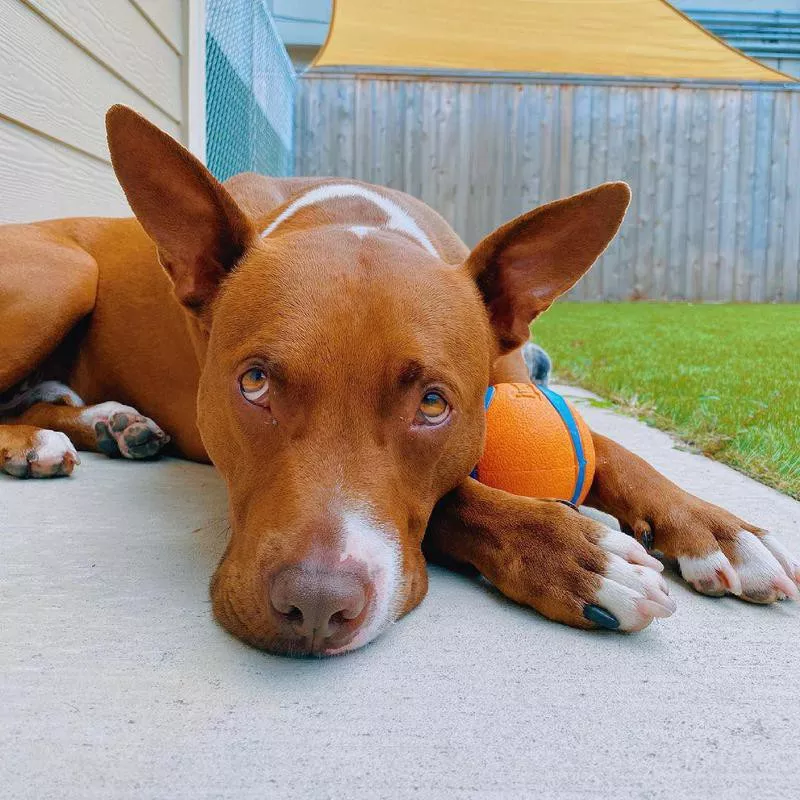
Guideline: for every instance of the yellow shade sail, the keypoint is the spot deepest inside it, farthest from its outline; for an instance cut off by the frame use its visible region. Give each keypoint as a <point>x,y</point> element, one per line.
<point>634,38</point>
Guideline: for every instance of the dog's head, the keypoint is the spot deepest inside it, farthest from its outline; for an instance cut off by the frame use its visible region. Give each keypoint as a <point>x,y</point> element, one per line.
<point>342,382</point>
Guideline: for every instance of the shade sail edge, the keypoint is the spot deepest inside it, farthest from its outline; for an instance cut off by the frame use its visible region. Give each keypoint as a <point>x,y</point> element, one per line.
<point>652,39</point>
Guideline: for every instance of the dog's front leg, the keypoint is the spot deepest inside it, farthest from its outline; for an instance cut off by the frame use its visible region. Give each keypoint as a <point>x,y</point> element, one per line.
<point>544,554</point>
<point>717,552</point>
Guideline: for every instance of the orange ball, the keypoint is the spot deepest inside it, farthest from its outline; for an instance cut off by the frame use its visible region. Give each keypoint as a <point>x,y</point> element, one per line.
<point>537,445</point>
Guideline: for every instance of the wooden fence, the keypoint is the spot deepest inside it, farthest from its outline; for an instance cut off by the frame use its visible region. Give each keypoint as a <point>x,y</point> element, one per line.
<point>715,169</point>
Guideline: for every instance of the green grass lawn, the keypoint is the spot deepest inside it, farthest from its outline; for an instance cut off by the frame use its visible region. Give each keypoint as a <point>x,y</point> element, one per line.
<point>724,378</point>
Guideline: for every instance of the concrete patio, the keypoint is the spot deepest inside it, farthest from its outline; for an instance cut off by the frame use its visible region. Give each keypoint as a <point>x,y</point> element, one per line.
<point>116,682</point>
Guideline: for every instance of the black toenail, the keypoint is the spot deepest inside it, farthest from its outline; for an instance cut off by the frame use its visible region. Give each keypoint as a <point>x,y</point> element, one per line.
<point>600,617</point>
<point>647,540</point>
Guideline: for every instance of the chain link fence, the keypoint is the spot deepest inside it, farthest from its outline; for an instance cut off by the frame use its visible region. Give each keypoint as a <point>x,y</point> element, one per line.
<point>250,91</point>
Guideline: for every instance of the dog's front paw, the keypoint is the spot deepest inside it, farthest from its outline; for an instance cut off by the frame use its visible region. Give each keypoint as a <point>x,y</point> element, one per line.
<point>123,431</point>
<point>717,553</point>
<point>36,453</point>
<point>586,575</point>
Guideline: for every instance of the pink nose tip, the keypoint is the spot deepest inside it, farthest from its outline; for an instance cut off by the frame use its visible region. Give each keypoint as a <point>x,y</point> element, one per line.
<point>318,607</point>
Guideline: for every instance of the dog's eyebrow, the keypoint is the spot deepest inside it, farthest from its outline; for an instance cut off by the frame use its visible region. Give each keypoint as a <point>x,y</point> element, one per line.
<point>277,372</point>
<point>410,373</point>
<point>413,371</point>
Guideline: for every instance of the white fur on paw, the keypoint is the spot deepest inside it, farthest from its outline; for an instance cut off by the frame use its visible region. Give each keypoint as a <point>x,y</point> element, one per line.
<point>764,578</point>
<point>51,456</point>
<point>52,446</point>
<point>711,574</point>
<point>102,411</point>
<point>632,588</point>
<point>628,548</point>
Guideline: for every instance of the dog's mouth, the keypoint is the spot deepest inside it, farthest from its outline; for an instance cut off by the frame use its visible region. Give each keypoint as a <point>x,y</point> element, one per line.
<point>350,635</point>
<point>344,641</point>
<point>299,648</point>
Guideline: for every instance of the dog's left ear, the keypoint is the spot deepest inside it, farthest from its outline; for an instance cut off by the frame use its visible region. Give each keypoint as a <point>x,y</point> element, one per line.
<point>523,266</point>
<point>199,230</point>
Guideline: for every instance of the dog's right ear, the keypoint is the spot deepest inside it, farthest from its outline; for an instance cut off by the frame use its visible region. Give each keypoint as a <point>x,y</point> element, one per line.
<point>198,229</point>
<point>523,266</point>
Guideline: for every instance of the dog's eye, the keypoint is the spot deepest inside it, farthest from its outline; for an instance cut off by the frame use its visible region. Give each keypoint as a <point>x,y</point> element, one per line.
<point>254,384</point>
<point>433,409</point>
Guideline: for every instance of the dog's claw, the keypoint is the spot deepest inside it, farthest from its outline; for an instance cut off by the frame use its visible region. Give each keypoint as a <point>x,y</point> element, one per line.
<point>599,616</point>
<point>787,586</point>
<point>651,608</point>
<point>730,579</point>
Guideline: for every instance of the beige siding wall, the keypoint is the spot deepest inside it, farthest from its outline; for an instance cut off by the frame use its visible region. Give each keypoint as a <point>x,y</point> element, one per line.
<point>63,62</point>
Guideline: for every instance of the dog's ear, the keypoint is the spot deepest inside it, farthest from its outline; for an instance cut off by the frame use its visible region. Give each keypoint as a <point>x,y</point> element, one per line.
<point>523,266</point>
<point>199,230</point>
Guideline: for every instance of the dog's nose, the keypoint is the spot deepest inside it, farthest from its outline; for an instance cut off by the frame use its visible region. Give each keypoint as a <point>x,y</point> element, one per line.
<point>319,606</point>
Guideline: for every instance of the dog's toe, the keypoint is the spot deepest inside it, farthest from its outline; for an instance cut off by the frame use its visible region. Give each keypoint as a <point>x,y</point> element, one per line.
<point>766,569</point>
<point>712,574</point>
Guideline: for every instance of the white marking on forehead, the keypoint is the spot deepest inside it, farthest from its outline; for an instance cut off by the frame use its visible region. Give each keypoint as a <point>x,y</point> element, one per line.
<point>374,545</point>
<point>362,230</point>
<point>398,218</point>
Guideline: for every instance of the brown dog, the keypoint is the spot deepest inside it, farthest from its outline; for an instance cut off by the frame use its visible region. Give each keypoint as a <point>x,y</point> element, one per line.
<point>327,345</point>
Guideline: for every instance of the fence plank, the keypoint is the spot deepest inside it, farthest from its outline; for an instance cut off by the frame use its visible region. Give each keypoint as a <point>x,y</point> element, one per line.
<point>762,175</point>
<point>729,194</point>
<point>779,167</point>
<point>791,242</point>
<point>707,271</point>
<point>665,155</point>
